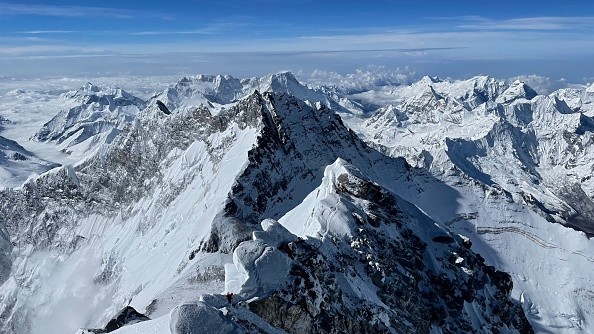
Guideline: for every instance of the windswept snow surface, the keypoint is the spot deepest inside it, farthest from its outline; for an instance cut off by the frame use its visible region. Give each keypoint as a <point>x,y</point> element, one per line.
<point>138,255</point>
<point>520,164</point>
<point>150,210</point>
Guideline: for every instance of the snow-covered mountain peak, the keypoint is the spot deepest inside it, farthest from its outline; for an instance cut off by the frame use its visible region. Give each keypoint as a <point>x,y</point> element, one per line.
<point>481,80</point>
<point>257,187</point>
<point>98,115</point>
<point>486,85</point>
<point>90,93</point>
<point>428,81</point>
<point>90,88</point>
<point>535,150</point>
<point>285,82</point>
<point>424,84</point>
<point>282,81</point>
<point>517,90</point>
<point>466,94</point>
<point>221,89</point>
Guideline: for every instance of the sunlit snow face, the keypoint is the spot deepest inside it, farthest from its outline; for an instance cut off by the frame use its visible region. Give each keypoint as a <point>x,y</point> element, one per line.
<point>156,239</point>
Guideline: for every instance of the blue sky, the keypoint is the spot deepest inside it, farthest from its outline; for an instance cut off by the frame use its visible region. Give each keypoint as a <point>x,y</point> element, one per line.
<point>446,38</point>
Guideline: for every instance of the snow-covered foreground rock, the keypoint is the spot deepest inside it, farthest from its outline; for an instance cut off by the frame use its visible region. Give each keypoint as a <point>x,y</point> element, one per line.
<point>357,259</point>
<point>257,187</point>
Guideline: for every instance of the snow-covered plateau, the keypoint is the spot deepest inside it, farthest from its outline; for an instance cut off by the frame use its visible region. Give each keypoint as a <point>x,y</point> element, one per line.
<point>265,205</point>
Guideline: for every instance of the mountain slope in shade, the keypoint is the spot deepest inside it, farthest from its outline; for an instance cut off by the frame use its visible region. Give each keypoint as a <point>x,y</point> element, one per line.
<point>151,220</point>
<point>179,206</point>
<point>533,151</point>
<point>507,139</point>
<point>365,261</point>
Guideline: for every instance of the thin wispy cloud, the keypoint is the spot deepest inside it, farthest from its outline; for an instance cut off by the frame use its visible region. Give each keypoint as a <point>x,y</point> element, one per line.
<point>526,23</point>
<point>12,9</point>
<point>228,26</point>
<point>210,30</point>
<point>475,44</point>
<point>50,49</point>
<point>61,11</point>
<point>264,33</point>
<point>165,32</point>
<point>49,32</point>
<point>71,56</point>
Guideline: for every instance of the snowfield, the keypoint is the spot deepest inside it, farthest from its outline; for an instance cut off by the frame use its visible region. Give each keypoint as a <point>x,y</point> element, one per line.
<point>436,206</point>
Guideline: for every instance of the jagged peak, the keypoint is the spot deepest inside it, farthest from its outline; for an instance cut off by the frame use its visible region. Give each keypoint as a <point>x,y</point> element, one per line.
<point>518,89</point>
<point>284,75</point>
<point>425,82</point>
<point>85,90</point>
<point>280,81</point>
<point>205,88</point>
<point>90,92</point>
<point>205,78</point>
<point>527,90</point>
<point>481,78</point>
<point>428,80</point>
<point>425,86</point>
<point>483,81</point>
<point>89,87</point>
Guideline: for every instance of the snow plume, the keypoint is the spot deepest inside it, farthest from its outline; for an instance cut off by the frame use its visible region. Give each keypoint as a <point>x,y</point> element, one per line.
<point>361,80</point>
<point>68,298</point>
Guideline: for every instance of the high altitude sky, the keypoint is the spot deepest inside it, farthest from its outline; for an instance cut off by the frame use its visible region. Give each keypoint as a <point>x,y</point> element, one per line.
<point>447,38</point>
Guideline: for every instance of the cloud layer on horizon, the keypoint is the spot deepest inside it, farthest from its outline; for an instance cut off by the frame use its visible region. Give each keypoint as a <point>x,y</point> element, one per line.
<point>155,36</point>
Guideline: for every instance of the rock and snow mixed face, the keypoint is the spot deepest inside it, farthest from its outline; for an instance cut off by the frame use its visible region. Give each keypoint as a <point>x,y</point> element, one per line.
<point>533,152</point>
<point>351,258</point>
<point>532,146</point>
<point>170,208</point>
<point>99,116</point>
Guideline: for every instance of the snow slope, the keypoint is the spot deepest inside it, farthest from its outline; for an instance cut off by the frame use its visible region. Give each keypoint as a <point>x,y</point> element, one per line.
<point>150,219</point>
<point>173,209</point>
<point>372,263</point>
<point>105,246</point>
<point>16,163</point>
<point>99,116</point>
<point>484,138</point>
